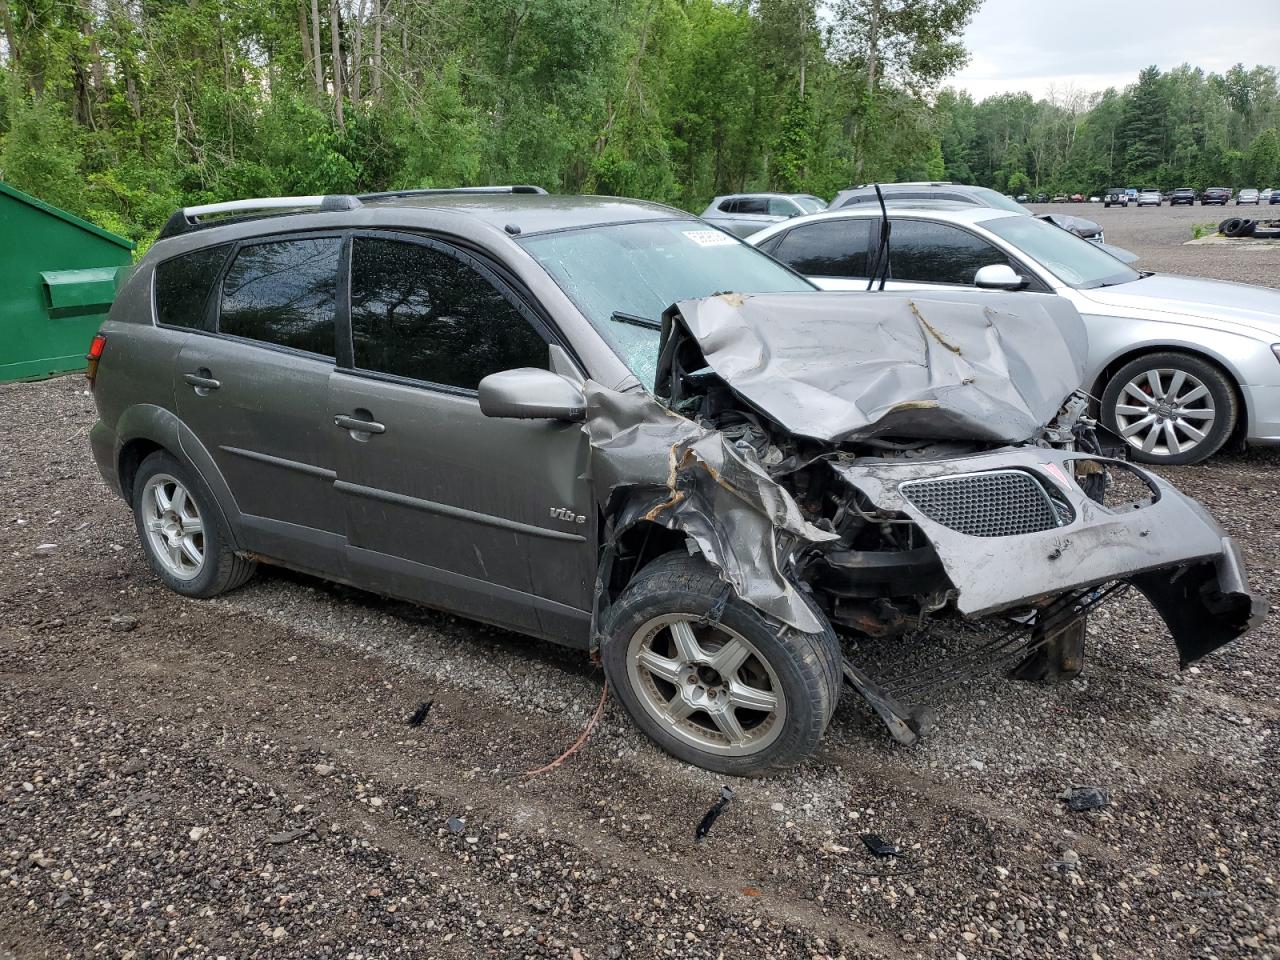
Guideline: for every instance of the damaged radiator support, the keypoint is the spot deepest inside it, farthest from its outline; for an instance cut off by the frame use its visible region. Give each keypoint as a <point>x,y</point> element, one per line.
<point>1016,644</point>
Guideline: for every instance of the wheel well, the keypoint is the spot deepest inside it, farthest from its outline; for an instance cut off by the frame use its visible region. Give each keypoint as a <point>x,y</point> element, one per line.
<point>131,457</point>
<point>1242,421</point>
<point>638,546</point>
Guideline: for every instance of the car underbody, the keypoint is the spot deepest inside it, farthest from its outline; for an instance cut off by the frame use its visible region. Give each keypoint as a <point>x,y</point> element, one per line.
<point>916,461</point>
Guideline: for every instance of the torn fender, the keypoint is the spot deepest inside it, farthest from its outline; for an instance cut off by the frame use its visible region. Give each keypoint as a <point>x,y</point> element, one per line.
<point>1169,547</point>
<point>650,464</point>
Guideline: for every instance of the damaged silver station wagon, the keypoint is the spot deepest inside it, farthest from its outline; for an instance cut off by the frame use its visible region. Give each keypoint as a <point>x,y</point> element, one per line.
<point>605,423</point>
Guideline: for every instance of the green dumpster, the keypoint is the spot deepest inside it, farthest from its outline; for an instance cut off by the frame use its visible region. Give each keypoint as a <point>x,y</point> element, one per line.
<point>58,275</point>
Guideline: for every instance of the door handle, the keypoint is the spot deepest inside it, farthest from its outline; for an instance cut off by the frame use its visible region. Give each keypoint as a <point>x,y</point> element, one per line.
<point>358,426</point>
<point>201,383</point>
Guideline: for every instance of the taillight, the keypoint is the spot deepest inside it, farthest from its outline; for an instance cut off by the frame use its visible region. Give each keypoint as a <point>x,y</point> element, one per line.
<point>94,355</point>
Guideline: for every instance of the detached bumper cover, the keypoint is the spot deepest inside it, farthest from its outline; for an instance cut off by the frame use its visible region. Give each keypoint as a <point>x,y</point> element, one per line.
<point>1170,549</point>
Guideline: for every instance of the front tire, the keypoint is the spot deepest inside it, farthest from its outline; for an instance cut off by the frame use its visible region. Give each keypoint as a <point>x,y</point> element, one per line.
<point>1171,408</point>
<point>711,679</point>
<point>181,531</point>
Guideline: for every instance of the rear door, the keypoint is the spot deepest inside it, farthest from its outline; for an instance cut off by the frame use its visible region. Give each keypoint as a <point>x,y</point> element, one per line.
<point>253,389</point>
<point>491,518</point>
<point>833,253</point>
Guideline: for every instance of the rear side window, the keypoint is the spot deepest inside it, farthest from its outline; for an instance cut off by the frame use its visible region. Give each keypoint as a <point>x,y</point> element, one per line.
<point>419,312</point>
<point>284,293</point>
<point>183,285</point>
<point>753,205</point>
<point>926,252</point>
<point>832,248</point>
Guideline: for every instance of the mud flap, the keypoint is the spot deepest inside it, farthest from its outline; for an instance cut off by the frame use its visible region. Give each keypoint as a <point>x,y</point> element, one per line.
<point>1205,605</point>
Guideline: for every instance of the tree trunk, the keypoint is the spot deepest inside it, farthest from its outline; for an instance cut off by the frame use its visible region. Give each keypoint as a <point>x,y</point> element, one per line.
<point>10,37</point>
<point>873,66</point>
<point>316,58</point>
<point>304,36</point>
<point>357,52</point>
<point>336,64</point>
<point>376,80</point>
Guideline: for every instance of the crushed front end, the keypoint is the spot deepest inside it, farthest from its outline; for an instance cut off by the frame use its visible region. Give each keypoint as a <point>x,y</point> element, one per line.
<point>895,459</point>
<point>1012,529</point>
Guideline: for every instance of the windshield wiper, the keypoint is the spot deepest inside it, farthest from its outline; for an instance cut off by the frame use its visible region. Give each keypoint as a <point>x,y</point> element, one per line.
<point>634,320</point>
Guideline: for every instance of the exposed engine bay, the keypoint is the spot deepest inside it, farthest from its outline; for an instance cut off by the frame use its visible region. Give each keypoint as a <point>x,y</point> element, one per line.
<point>896,458</point>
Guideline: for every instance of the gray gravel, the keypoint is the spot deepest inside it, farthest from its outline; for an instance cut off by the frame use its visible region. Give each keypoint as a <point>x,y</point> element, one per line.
<point>236,777</point>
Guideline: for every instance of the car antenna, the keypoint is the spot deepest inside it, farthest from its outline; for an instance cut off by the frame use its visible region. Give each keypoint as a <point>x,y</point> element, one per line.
<point>882,251</point>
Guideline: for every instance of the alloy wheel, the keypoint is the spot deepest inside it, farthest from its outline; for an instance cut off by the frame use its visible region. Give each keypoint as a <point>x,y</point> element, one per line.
<point>174,527</point>
<point>1165,412</point>
<point>707,684</point>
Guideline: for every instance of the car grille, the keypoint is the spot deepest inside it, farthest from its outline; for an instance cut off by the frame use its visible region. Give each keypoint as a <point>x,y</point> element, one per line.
<point>994,503</point>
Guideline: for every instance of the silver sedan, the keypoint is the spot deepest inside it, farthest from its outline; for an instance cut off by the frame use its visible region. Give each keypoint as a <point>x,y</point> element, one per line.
<point>1179,365</point>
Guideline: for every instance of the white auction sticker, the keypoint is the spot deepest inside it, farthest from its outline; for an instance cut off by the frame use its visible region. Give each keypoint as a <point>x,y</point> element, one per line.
<point>709,238</point>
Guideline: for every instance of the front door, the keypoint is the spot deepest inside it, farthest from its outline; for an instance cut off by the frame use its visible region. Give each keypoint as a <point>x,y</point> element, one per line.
<point>490,518</point>
<point>255,393</point>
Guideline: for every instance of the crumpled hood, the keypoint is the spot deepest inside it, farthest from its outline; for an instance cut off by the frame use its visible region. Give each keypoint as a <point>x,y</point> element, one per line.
<point>964,365</point>
<point>1257,308</point>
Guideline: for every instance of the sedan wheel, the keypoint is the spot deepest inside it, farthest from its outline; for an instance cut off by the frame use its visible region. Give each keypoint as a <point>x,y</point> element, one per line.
<point>1170,408</point>
<point>708,685</point>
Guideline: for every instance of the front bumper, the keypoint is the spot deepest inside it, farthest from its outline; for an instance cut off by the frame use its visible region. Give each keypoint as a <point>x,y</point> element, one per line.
<point>1169,547</point>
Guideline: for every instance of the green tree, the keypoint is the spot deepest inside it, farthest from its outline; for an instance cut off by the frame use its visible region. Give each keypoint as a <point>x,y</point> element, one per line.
<point>1261,164</point>
<point>1143,127</point>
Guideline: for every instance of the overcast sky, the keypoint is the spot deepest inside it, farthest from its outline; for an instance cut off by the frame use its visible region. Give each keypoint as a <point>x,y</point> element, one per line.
<point>1094,44</point>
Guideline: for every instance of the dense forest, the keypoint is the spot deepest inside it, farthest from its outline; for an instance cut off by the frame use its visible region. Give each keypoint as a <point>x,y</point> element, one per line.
<point>1182,128</point>
<point>121,110</point>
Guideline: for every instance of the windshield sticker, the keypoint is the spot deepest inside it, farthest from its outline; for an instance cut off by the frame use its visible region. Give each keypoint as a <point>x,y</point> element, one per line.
<point>709,238</point>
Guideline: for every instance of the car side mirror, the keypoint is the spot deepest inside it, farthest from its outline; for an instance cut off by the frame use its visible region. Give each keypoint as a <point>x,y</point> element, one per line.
<point>528,393</point>
<point>998,276</point>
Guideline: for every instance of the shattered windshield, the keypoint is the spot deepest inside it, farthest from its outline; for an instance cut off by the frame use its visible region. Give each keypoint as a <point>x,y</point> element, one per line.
<point>623,276</point>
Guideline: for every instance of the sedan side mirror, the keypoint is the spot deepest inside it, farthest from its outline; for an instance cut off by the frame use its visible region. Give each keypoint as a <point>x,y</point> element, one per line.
<point>998,276</point>
<point>528,393</point>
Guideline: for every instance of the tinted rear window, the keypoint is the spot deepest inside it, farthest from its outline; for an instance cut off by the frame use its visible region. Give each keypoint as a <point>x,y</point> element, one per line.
<point>284,293</point>
<point>830,248</point>
<point>183,285</point>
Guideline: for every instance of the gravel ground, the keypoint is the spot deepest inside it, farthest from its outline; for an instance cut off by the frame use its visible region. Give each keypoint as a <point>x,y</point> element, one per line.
<point>1159,234</point>
<point>236,778</point>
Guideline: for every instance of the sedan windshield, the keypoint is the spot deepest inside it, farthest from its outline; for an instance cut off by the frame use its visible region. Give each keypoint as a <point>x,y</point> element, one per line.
<point>1075,262</point>
<point>623,276</point>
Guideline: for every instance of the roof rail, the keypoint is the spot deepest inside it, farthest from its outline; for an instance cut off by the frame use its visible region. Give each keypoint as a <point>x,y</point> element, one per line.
<point>190,218</point>
<point>428,191</point>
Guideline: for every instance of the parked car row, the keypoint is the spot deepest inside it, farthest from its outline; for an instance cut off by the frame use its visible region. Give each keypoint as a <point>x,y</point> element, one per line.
<point>1151,197</point>
<point>613,425</point>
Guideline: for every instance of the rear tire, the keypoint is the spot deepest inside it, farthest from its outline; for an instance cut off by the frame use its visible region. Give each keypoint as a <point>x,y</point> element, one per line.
<point>182,532</point>
<point>667,638</point>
